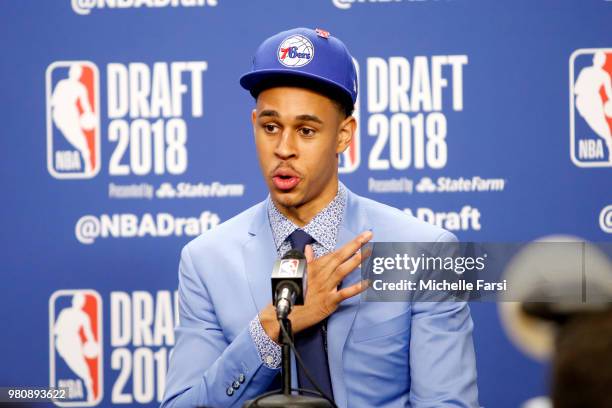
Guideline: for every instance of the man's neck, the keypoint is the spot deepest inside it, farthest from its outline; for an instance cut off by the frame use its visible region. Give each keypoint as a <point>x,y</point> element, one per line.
<point>302,214</point>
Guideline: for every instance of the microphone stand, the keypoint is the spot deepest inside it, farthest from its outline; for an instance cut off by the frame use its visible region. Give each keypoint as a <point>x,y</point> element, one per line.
<point>285,399</point>
<point>286,338</point>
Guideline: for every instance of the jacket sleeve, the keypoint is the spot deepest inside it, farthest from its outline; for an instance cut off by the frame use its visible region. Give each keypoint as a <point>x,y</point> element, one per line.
<point>442,359</point>
<point>206,370</point>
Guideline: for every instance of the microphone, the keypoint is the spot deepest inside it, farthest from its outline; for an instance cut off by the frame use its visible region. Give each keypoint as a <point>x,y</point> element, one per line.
<point>288,282</point>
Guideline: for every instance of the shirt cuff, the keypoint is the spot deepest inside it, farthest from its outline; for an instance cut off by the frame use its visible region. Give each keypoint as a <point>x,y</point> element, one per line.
<point>269,351</point>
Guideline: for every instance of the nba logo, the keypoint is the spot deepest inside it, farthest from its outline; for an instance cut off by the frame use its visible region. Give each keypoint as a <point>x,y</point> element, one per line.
<point>75,346</point>
<point>73,119</point>
<point>349,159</point>
<point>289,267</point>
<point>591,107</point>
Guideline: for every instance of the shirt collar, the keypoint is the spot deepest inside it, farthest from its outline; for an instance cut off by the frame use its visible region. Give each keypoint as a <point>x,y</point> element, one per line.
<point>323,227</point>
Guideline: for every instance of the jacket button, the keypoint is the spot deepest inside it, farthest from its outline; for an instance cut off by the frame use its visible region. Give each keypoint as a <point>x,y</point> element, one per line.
<point>241,378</point>
<point>229,391</point>
<point>235,385</point>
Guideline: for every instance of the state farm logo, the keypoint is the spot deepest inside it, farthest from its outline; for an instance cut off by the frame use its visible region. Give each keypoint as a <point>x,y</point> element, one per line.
<point>73,119</point>
<point>591,107</point>
<point>75,346</point>
<point>461,184</point>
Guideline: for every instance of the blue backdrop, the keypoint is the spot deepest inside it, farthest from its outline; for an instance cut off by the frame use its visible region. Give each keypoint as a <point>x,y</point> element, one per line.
<point>125,134</point>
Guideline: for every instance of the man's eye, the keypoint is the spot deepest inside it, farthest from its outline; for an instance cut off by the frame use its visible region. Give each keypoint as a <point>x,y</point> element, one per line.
<point>307,132</point>
<point>270,128</point>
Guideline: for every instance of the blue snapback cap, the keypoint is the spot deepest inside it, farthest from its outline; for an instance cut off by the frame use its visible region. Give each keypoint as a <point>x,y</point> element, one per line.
<point>303,53</point>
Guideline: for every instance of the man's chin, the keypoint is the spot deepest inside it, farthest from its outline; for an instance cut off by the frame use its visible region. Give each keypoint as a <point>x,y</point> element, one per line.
<point>290,198</point>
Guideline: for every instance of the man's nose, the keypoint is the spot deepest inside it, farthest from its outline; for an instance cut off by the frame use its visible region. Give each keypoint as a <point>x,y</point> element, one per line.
<point>286,146</point>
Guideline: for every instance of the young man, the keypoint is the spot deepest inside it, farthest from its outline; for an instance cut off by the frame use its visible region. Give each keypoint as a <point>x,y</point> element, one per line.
<point>362,354</point>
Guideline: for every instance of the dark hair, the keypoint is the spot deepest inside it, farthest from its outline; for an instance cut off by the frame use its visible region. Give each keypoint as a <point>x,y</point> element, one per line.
<point>582,366</point>
<point>339,97</point>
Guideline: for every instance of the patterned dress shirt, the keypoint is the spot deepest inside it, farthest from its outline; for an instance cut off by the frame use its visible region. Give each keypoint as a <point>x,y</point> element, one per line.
<point>324,229</point>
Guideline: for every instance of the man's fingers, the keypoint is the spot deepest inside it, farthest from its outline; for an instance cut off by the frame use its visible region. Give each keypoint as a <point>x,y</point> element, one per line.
<point>347,267</point>
<point>350,264</point>
<point>366,252</point>
<point>350,248</point>
<point>352,290</point>
<point>309,253</point>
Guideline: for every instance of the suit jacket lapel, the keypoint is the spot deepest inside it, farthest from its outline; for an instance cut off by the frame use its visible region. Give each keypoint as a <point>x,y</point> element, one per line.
<point>339,324</point>
<point>259,254</point>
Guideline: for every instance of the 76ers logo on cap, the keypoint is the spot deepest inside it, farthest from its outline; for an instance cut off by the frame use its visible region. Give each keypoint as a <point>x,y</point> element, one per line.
<point>75,346</point>
<point>73,119</point>
<point>295,51</point>
<point>591,107</point>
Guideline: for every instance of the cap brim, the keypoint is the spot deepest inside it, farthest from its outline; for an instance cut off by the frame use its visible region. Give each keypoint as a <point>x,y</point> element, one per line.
<point>253,80</point>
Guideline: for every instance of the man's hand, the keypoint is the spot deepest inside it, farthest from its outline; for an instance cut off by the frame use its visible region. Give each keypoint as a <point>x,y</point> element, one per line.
<point>322,297</point>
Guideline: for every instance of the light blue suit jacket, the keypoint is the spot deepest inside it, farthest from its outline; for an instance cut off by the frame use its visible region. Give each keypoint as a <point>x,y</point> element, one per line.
<point>381,354</point>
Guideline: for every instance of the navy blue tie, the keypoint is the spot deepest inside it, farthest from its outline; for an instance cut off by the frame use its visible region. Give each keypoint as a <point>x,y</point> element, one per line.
<point>311,342</point>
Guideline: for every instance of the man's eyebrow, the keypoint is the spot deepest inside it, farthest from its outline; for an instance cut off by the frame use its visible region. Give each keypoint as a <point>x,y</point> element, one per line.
<point>268,112</point>
<point>309,118</point>
<point>304,117</point>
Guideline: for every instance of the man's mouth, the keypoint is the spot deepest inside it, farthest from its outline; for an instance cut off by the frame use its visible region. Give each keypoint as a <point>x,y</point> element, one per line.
<point>285,179</point>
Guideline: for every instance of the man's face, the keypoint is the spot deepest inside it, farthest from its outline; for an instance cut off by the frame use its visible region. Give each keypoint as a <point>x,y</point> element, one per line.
<point>299,134</point>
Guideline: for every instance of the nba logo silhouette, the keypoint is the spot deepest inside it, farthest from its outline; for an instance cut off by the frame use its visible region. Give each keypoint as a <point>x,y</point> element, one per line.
<point>75,346</point>
<point>350,158</point>
<point>591,107</point>
<point>73,119</point>
<point>288,267</point>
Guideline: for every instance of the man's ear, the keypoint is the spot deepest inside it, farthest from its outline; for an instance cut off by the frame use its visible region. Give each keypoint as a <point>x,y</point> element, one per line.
<point>253,117</point>
<point>346,132</point>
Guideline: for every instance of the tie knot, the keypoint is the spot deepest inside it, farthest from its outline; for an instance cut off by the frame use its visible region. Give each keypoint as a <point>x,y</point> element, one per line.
<point>299,239</point>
